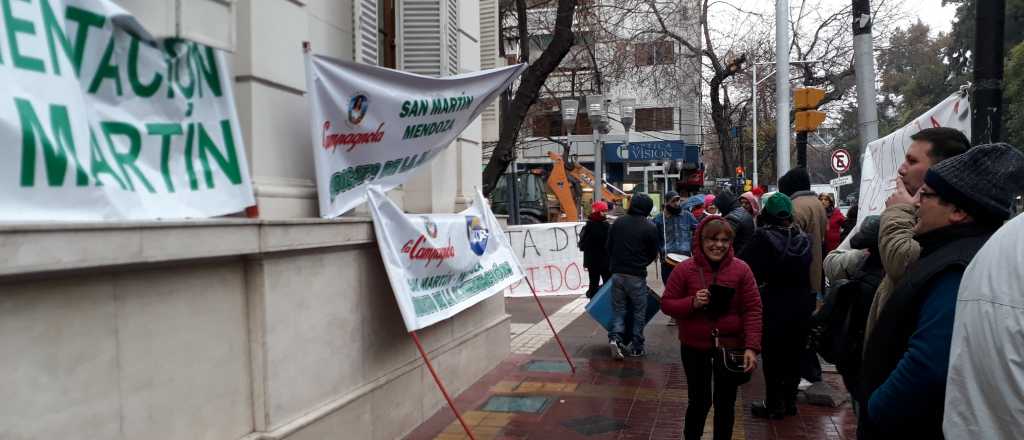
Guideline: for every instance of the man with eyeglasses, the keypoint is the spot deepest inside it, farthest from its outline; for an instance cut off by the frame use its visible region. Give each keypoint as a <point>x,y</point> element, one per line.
<point>896,243</point>
<point>962,202</point>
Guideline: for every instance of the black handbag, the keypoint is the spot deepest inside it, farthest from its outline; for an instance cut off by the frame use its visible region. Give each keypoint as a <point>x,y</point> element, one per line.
<point>728,363</point>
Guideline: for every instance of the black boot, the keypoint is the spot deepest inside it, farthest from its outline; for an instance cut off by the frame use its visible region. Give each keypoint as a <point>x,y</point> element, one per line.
<point>763,410</point>
<point>791,407</point>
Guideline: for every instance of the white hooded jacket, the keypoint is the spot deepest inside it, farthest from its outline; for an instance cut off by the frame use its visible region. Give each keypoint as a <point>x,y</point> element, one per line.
<point>985,386</point>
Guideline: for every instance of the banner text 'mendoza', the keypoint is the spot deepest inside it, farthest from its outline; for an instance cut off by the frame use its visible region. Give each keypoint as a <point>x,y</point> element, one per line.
<point>114,151</point>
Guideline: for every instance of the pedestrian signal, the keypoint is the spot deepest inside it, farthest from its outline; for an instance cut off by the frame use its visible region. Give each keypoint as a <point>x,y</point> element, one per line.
<point>805,101</point>
<point>807,98</point>
<point>809,120</point>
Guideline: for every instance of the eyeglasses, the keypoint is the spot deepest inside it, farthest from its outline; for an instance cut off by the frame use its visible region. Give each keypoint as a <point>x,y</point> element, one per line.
<point>927,194</point>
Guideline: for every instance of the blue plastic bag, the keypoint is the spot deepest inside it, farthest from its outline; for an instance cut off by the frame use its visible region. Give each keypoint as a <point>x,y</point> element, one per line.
<point>602,310</point>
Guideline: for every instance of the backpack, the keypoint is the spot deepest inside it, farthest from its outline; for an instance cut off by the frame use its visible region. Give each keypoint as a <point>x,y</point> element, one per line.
<point>837,332</point>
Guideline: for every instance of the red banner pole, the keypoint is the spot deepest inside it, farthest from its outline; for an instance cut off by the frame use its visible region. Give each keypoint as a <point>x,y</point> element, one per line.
<point>557,339</point>
<point>451,404</point>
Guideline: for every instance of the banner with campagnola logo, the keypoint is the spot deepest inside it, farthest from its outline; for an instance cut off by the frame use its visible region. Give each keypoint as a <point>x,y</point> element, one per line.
<point>441,264</point>
<point>101,122</point>
<point>377,125</point>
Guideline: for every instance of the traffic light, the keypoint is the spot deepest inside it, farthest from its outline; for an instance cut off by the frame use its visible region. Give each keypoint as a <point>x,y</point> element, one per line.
<point>806,100</point>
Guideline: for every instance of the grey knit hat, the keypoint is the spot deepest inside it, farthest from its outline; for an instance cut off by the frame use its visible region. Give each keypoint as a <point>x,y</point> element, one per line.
<point>983,181</point>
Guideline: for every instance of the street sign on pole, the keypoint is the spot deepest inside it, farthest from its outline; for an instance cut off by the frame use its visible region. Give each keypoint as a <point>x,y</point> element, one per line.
<point>841,181</point>
<point>840,161</point>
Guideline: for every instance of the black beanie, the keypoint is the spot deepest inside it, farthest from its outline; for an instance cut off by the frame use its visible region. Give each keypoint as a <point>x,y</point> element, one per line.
<point>984,181</point>
<point>867,236</point>
<point>794,181</point>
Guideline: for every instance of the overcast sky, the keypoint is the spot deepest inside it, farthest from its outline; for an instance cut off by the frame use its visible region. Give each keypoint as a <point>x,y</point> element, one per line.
<point>931,12</point>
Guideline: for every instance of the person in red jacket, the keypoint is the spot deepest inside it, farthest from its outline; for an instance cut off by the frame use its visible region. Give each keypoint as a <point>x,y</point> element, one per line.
<point>687,298</point>
<point>835,222</point>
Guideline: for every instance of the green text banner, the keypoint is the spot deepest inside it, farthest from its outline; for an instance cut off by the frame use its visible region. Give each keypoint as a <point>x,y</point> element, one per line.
<point>101,122</point>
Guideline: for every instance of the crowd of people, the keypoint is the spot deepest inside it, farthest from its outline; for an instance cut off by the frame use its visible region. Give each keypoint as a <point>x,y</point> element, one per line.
<point>919,308</point>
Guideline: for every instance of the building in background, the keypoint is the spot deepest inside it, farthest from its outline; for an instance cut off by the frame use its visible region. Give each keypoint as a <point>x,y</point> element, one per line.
<point>235,328</point>
<point>618,63</point>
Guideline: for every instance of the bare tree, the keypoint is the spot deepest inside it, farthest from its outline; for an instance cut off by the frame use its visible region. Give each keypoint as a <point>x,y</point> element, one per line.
<point>514,112</point>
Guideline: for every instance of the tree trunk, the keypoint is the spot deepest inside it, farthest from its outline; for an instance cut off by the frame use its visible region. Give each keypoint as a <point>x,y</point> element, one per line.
<point>721,123</point>
<point>530,84</point>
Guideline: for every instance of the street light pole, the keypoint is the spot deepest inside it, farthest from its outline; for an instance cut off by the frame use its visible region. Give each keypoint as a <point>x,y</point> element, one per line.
<point>595,111</point>
<point>753,97</point>
<point>782,87</point>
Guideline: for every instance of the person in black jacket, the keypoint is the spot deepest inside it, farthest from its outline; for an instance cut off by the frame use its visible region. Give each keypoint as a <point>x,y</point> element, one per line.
<point>632,246</point>
<point>593,241</point>
<point>779,254</point>
<point>849,313</point>
<point>742,222</point>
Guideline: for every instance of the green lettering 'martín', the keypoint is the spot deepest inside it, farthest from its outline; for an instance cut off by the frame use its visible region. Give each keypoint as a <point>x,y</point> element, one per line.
<point>118,157</point>
<point>435,106</point>
<point>54,155</point>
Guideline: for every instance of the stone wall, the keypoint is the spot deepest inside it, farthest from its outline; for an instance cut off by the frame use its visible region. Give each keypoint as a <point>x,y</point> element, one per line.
<point>219,329</point>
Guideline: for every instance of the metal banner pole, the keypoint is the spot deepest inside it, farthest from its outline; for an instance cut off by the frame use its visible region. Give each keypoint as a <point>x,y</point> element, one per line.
<point>451,403</point>
<point>557,339</point>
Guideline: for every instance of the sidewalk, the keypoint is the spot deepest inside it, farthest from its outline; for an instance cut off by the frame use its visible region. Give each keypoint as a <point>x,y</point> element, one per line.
<point>535,396</point>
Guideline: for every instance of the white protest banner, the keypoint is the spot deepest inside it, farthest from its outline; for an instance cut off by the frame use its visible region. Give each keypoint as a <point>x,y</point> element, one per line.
<point>441,264</point>
<point>99,124</point>
<point>551,258</point>
<point>372,124</point>
<point>880,164</point>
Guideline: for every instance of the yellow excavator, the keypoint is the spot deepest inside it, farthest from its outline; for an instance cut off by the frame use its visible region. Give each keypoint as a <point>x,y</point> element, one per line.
<point>567,187</point>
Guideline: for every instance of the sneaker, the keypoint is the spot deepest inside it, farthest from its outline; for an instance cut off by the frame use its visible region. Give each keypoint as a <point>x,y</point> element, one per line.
<point>637,352</point>
<point>804,385</point>
<point>616,349</point>
<point>672,321</point>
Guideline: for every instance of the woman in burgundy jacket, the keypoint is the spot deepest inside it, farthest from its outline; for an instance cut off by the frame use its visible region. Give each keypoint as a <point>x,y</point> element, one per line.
<point>686,299</point>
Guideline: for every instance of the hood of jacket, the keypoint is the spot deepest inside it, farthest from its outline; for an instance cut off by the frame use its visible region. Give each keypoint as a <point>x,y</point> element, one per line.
<point>794,181</point>
<point>726,202</point>
<point>698,250</point>
<point>693,201</point>
<point>640,204</point>
<point>788,242</point>
<point>755,202</point>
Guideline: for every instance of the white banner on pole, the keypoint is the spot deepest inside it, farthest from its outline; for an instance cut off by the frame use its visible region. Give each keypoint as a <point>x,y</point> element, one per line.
<point>880,164</point>
<point>377,125</point>
<point>101,125</point>
<point>441,264</point>
<point>886,154</point>
<point>551,258</point>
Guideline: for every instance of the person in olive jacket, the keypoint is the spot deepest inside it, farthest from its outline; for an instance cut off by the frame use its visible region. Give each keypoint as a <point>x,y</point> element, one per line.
<point>687,298</point>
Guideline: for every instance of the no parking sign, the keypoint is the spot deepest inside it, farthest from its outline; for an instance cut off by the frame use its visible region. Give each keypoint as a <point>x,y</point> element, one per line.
<point>840,161</point>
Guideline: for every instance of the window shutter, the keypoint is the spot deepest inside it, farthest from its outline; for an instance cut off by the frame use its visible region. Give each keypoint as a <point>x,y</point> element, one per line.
<point>365,23</point>
<point>451,31</point>
<point>489,53</point>
<point>423,34</point>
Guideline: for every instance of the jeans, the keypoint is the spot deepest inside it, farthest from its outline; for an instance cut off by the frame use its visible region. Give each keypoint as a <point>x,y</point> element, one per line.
<point>629,294</point>
<point>597,279</point>
<point>699,372</point>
